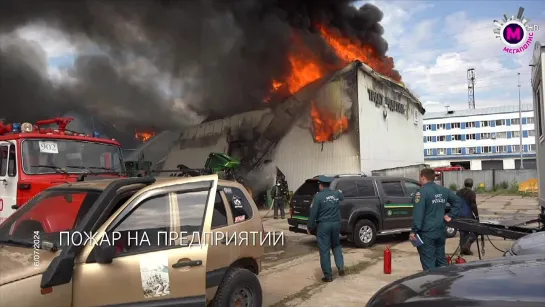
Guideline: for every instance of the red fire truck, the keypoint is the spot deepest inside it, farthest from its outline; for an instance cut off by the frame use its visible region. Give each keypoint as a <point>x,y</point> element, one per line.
<point>37,156</point>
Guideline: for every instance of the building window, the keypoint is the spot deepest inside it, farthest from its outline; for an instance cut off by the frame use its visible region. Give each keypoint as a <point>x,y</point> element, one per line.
<point>516,148</point>
<point>428,138</point>
<point>487,149</point>
<point>456,151</point>
<point>470,125</point>
<point>441,138</point>
<point>441,126</point>
<point>457,137</point>
<point>531,133</point>
<point>456,125</point>
<point>500,122</point>
<point>485,123</point>
<point>516,134</point>
<point>501,135</point>
<point>472,150</point>
<point>427,127</point>
<point>441,151</point>
<point>530,120</point>
<point>470,136</point>
<point>429,152</point>
<point>532,147</point>
<point>503,149</point>
<point>539,111</point>
<point>515,121</point>
<point>485,136</point>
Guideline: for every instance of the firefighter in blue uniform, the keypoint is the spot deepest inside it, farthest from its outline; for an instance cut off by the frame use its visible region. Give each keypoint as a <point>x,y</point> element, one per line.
<point>325,218</point>
<point>429,219</point>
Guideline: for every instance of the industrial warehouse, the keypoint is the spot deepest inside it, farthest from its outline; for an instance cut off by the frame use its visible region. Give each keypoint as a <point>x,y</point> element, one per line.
<point>353,122</point>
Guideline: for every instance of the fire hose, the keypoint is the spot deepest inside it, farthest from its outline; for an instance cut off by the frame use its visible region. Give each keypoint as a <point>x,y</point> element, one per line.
<point>480,249</point>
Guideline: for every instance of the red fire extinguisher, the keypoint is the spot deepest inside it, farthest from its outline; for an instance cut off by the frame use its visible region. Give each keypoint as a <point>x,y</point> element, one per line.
<point>387,260</point>
<point>449,260</point>
<point>460,260</point>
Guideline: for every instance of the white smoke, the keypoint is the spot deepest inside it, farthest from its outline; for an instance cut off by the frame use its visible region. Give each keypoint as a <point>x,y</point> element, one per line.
<point>263,178</point>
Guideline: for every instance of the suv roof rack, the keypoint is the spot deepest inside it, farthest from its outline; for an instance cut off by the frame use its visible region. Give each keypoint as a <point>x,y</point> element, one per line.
<point>189,172</point>
<point>350,175</point>
<point>342,175</point>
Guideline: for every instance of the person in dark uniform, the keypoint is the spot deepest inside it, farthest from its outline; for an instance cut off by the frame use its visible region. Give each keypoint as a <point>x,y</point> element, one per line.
<point>279,200</point>
<point>429,219</point>
<point>325,218</point>
<point>470,199</point>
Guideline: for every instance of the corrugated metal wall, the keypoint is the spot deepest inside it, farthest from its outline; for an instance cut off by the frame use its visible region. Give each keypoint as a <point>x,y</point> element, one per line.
<point>488,177</point>
<point>156,149</point>
<point>197,142</point>
<point>300,158</point>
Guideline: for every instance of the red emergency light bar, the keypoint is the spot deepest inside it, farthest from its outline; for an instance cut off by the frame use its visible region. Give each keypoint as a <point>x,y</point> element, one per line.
<point>61,123</point>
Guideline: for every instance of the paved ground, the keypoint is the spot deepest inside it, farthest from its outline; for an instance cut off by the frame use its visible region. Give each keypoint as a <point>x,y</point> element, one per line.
<point>291,273</point>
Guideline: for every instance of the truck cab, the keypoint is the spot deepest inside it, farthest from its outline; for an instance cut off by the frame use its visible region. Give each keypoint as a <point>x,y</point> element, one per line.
<point>34,157</point>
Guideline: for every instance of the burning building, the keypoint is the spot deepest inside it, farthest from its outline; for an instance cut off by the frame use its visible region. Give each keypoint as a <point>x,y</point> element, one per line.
<point>354,120</point>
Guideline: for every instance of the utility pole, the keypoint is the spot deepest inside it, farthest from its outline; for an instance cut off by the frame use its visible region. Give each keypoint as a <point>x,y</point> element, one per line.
<point>471,88</point>
<point>520,125</point>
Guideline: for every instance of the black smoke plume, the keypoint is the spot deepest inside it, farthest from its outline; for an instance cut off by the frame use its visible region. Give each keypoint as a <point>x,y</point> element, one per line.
<point>162,61</point>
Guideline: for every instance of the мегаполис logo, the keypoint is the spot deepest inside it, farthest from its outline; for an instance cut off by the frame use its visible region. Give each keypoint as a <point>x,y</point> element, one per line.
<point>515,32</point>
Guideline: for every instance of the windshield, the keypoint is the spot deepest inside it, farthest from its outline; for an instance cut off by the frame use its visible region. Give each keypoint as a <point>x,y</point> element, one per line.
<point>50,213</point>
<point>54,156</point>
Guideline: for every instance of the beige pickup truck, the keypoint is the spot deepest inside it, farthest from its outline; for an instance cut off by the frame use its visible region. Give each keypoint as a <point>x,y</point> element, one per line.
<point>133,242</point>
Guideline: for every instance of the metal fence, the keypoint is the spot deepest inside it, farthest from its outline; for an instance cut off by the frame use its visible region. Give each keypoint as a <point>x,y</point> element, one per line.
<point>489,178</point>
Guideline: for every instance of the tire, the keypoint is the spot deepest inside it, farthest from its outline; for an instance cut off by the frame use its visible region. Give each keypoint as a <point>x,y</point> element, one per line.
<point>364,234</point>
<point>238,283</point>
<point>451,232</point>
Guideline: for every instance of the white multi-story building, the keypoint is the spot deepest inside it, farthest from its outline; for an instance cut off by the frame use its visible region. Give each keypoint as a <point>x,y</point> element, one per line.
<point>480,139</point>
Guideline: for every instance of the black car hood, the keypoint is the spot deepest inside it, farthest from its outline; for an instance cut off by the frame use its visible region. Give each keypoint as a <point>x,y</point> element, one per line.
<point>530,244</point>
<point>496,282</point>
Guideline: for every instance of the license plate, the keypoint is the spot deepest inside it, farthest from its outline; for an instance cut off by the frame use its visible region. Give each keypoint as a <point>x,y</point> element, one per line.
<point>302,226</point>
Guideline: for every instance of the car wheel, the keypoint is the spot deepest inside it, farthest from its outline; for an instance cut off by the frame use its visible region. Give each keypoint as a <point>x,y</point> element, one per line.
<point>451,232</point>
<point>239,287</point>
<point>365,233</point>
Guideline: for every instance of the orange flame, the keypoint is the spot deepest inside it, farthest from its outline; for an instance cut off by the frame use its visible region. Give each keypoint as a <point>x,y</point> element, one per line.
<point>326,125</point>
<point>307,68</point>
<point>144,136</point>
<point>348,51</point>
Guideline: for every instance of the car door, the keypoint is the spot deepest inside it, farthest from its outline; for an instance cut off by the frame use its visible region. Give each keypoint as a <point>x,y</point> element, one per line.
<point>167,269</point>
<point>8,179</point>
<point>220,253</point>
<point>410,187</point>
<point>351,200</point>
<point>397,208</point>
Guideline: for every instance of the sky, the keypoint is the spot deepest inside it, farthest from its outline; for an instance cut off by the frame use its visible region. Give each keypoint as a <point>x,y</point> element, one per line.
<point>433,43</point>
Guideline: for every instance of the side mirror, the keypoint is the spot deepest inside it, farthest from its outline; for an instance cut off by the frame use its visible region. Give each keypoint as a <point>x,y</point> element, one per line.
<point>104,254</point>
<point>15,207</point>
<point>59,272</point>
